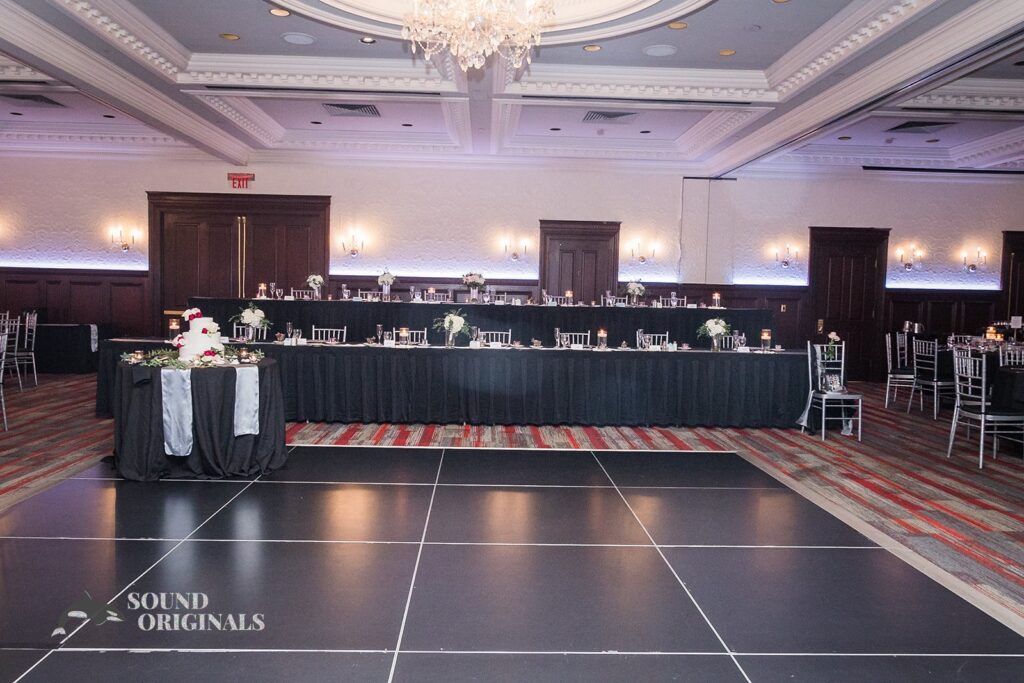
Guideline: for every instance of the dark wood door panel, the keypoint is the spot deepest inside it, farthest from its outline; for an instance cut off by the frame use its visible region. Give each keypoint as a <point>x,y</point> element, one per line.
<point>89,300</point>
<point>579,256</point>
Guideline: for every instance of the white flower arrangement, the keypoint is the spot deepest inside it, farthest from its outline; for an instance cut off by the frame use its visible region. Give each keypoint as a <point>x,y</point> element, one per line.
<point>252,316</point>
<point>191,314</point>
<point>453,322</point>
<point>315,281</point>
<point>473,280</point>
<point>713,328</point>
<point>635,289</point>
<point>386,278</point>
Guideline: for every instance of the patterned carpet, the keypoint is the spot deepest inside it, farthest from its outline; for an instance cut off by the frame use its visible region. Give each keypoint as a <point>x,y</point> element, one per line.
<point>962,526</point>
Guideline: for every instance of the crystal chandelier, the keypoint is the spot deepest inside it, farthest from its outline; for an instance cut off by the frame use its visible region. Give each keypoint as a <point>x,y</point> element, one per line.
<point>471,30</point>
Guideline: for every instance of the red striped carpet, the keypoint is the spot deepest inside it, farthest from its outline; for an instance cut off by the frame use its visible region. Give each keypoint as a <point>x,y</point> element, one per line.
<point>961,525</point>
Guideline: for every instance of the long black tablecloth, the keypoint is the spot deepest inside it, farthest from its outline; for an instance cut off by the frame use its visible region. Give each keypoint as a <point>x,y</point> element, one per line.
<point>527,386</point>
<point>67,349</point>
<point>216,452</point>
<point>526,322</point>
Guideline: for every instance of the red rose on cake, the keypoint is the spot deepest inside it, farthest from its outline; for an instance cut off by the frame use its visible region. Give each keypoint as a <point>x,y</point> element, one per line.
<point>191,314</point>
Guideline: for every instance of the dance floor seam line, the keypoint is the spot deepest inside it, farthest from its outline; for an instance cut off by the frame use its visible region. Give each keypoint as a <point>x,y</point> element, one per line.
<point>445,543</point>
<point>672,569</point>
<point>415,569</point>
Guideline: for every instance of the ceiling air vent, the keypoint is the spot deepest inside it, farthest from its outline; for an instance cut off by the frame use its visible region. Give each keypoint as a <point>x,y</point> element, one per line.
<point>31,100</point>
<point>921,127</point>
<point>614,117</point>
<point>364,111</point>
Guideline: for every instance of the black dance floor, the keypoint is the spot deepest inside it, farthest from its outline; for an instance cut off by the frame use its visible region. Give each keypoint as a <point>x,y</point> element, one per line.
<point>426,565</point>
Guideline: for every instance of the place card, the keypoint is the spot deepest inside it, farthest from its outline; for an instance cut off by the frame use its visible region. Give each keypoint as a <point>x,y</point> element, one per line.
<point>576,347</point>
<point>495,345</point>
<point>742,349</point>
<point>289,298</point>
<point>475,345</point>
<point>389,343</point>
<point>620,304</point>
<point>691,305</point>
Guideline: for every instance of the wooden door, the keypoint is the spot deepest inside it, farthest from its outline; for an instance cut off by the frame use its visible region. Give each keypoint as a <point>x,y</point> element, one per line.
<point>284,247</point>
<point>847,284</point>
<point>224,245</point>
<point>580,256</point>
<point>1013,274</point>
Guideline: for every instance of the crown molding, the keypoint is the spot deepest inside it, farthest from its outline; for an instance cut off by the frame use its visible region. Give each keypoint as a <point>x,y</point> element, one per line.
<point>983,21</point>
<point>866,155</point>
<point>973,93</point>
<point>1001,148</point>
<point>11,70</point>
<point>62,139</point>
<point>639,83</point>
<point>848,33</point>
<point>96,76</point>
<point>247,116</point>
<point>134,33</point>
<point>457,121</point>
<point>320,73</point>
<point>711,130</point>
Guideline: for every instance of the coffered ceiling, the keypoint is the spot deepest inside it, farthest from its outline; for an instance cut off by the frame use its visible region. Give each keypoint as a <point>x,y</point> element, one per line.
<point>812,84</point>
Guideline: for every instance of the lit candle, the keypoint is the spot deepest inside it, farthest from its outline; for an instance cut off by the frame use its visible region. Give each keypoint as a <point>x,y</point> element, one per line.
<point>717,299</point>
<point>403,335</point>
<point>139,355</point>
<point>174,326</point>
<point>602,339</point>
<point>263,290</point>
<point>243,353</point>
<point>431,290</point>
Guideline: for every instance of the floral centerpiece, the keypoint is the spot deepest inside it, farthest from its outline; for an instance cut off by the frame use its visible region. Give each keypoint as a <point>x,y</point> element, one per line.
<point>253,318</point>
<point>635,290</point>
<point>191,314</point>
<point>474,281</point>
<point>165,358</point>
<point>316,282</point>
<point>716,328</point>
<point>452,323</point>
<point>385,280</point>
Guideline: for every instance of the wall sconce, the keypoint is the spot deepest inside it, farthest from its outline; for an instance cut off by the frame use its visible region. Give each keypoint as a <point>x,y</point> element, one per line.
<point>641,258</point>
<point>909,260</point>
<point>117,238</point>
<point>355,248</point>
<point>513,254</point>
<point>789,258</point>
<point>980,260</point>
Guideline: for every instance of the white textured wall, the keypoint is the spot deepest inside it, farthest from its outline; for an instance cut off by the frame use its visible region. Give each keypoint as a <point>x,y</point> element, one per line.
<point>57,213</point>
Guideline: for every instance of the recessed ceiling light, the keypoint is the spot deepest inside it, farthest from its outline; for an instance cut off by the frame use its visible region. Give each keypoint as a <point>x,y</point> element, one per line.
<point>754,28</point>
<point>317,123</point>
<point>230,36</point>
<point>555,129</point>
<point>367,40</point>
<point>591,48</point>
<point>298,38</point>
<point>407,125</point>
<point>933,140</point>
<point>845,137</point>
<point>779,2</point>
<point>16,113</point>
<point>108,116</point>
<point>644,132</point>
<point>678,25</point>
<point>280,12</point>
<point>727,53</point>
<point>659,50</point>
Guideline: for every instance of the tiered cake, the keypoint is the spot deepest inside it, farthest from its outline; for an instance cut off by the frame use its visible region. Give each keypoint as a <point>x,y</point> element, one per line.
<point>202,338</point>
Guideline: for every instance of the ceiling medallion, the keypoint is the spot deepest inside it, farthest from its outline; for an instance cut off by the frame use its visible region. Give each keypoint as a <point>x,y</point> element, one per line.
<point>473,30</point>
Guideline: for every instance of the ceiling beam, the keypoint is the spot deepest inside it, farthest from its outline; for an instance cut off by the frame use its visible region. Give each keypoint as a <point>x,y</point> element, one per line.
<point>41,46</point>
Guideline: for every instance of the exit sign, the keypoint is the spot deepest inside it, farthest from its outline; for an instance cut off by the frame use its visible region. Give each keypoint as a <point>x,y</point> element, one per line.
<point>240,181</point>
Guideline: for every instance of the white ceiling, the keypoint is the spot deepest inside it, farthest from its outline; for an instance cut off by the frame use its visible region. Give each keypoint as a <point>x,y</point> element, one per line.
<point>805,73</point>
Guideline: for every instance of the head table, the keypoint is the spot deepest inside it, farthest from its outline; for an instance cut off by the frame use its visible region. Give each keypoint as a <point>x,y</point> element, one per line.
<point>372,384</point>
<point>526,322</point>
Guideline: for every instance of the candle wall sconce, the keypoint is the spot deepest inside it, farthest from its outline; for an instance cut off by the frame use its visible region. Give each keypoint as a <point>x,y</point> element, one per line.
<point>910,258</point>
<point>353,248</point>
<point>642,257</point>
<point>788,257</point>
<point>981,258</point>
<point>118,239</point>
<point>513,253</point>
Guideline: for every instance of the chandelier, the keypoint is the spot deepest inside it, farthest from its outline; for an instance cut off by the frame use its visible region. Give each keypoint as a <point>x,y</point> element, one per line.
<point>471,30</point>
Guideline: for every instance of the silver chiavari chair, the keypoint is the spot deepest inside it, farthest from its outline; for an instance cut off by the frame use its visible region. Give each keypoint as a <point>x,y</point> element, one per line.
<point>241,331</point>
<point>960,339</point>
<point>730,341</point>
<point>558,300</point>
<point>12,328</point>
<point>496,336</point>
<point>898,375</point>
<point>3,361</point>
<point>368,293</point>
<point>570,338</point>
<point>1011,355</point>
<point>974,408</point>
<point>25,354</point>
<point>926,376</point>
<point>339,334</point>
<point>415,336</point>
<point>437,296</point>
<point>503,298</point>
<point>666,301</point>
<point>302,293</point>
<point>902,352</point>
<point>645,340</point>
<point>613,300</point>
<point>826,369</point>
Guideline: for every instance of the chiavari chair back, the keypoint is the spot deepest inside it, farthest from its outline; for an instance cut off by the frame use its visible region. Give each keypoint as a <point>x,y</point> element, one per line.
<point>570,338</point>
<point>415,336</point>
<point>489,336</point>
<point>12,329</point>
<point>3,361</point>
<point>973,407</point>
<point>242,331</point>
<point>897,376</point>
<point>302,293</point>
<point>926,376</point>
<point>826,373</point>
<point>1011,356</point>
<point>339,334</point>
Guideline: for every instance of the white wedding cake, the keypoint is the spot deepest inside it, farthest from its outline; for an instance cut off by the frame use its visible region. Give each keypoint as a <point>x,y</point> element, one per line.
<point>202,338</point>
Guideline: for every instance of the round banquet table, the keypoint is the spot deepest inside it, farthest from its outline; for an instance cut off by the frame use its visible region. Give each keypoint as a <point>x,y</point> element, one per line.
<point>216,452</point>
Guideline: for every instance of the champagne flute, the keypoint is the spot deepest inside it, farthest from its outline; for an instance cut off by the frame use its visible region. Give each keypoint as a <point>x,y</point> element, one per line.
<point>380,332</point>
<point>558,337</point>
<point>280,293</point>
